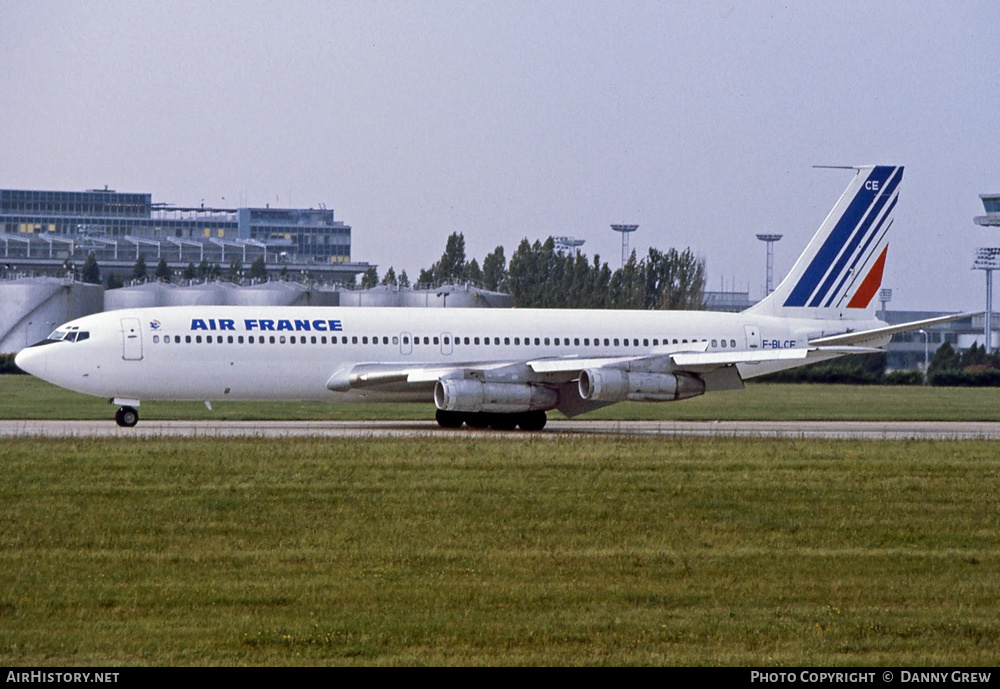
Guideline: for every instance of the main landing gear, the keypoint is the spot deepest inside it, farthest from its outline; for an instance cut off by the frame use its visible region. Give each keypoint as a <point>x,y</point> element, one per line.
<point>526,421</point>
<point>127,417</point>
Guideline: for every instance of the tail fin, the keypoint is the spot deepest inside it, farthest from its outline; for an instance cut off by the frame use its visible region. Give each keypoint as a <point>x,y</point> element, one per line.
<point>839,273</point>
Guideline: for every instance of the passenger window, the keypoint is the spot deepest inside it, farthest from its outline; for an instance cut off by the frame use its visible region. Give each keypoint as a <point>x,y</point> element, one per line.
<point>427,340</point>
<point>156,339</point>
<point>645,342</point>
<point>291,338</point>
<point>723,344</point>
<point>364,339</point>
<point>281,340</point>
<point>436,341</point>
<point>715,343</point>
<point>187,339</point>
<point>467,341</point>
<point>230,339</point>
<point>517,340</point>
<point>616,342</point>
<point>546,341</point>
<point>732,343</point>
<point>313,339</point>
<point>354,339</point>
<point>406,340</point>
<point>395,339</point>
<point>271,337</point>
<point>197,339</point>
<point>506,340</point>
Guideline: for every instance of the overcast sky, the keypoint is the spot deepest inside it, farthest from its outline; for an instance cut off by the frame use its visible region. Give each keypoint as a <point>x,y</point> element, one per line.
<point>698,121</point>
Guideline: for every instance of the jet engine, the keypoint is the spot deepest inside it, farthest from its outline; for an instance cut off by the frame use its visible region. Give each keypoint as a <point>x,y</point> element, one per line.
<point>617,385</point>
<point>460,394</point>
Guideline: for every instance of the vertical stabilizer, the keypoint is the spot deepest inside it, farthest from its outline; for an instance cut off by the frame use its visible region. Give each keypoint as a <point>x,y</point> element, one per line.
<point>840,271</point>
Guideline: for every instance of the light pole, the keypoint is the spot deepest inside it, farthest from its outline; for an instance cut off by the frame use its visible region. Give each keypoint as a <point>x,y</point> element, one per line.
<point>926,340</point>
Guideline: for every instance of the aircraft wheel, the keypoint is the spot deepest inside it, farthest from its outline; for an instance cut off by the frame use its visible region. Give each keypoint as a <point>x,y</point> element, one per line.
<point>127,417</point>
<point>503,422</point>
<point>532,420</point>
<point>449,419</point>
<point>477,420</point>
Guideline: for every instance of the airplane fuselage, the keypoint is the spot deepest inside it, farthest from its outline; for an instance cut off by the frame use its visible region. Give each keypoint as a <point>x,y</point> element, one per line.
<point>290,353</point>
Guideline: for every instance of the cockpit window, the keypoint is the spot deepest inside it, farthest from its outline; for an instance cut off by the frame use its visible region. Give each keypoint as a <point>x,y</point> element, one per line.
<point>70,335</point>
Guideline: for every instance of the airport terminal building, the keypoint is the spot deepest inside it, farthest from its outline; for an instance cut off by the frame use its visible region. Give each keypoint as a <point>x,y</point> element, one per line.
<point>41,230</point>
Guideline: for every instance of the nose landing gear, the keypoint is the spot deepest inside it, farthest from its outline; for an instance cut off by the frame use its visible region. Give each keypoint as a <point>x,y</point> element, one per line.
<point>127,417</point>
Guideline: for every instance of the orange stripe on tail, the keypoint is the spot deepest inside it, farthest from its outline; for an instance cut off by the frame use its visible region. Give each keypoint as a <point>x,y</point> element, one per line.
<point>869,285</point>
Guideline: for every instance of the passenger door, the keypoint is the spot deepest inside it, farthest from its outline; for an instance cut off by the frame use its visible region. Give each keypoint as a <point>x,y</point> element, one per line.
<point>131,339</point>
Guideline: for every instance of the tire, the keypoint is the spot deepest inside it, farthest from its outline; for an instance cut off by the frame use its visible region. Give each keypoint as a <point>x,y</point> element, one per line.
<point>503,422</point>
<point>127,417</point>
<point>532,420</point>
<point>449,419</point>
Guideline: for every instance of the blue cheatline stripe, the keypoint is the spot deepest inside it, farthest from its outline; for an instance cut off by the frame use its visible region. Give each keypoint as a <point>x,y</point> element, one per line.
<point>840,234</point>
<point>862,255</point>
<point>862,231</point>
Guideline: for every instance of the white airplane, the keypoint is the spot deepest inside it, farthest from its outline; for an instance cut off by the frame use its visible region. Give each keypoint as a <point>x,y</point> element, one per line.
<point>492,367</point>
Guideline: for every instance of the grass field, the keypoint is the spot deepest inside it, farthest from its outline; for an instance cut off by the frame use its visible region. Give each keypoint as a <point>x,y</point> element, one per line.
<point>25,397</point>
<point>528,550</point>
<point>515,549</point>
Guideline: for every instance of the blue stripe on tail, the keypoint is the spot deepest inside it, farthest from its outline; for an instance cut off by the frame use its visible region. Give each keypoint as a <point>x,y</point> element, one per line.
<point>846,231</point>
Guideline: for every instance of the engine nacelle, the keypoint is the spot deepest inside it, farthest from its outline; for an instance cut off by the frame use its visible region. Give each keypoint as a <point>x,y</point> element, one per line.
<point>460,394</point>
<point>617,385</point>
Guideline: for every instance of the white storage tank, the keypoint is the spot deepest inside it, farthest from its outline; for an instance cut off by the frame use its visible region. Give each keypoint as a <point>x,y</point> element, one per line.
<point>31,308</point>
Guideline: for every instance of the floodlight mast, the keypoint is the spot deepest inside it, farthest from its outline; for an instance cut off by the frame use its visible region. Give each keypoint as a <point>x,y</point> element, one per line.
<point>770,239</point>
<point>988,259</point>
<point>884,296</point>
<point>625,231</point>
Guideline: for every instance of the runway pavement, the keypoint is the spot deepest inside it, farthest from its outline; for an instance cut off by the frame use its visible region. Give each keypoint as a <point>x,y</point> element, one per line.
<point>871,430</point>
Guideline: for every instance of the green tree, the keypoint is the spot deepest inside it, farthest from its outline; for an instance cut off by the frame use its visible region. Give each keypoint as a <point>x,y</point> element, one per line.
<point>404,280</point>
<point>162,271</point>
<point>139,269</point>
<point>472,271</point>
<point>495,270</point>
<point>945,359</point>
<point>235,271</point>
<point>190,273</point>
<point>258,270</point>
<point>369,279</point>
<point>390,279</point>
<point>91,272</point>
<point>114,281</point>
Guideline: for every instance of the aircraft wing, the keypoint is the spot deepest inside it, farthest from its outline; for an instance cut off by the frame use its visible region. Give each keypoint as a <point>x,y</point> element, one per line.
<point>866,336</point>
<point>717,368</point>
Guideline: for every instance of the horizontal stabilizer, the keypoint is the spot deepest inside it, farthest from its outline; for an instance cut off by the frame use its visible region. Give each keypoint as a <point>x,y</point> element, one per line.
<point>866,336</point>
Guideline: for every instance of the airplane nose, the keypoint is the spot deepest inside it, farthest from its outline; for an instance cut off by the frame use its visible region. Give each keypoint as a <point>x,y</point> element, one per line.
<point>31,360</point>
